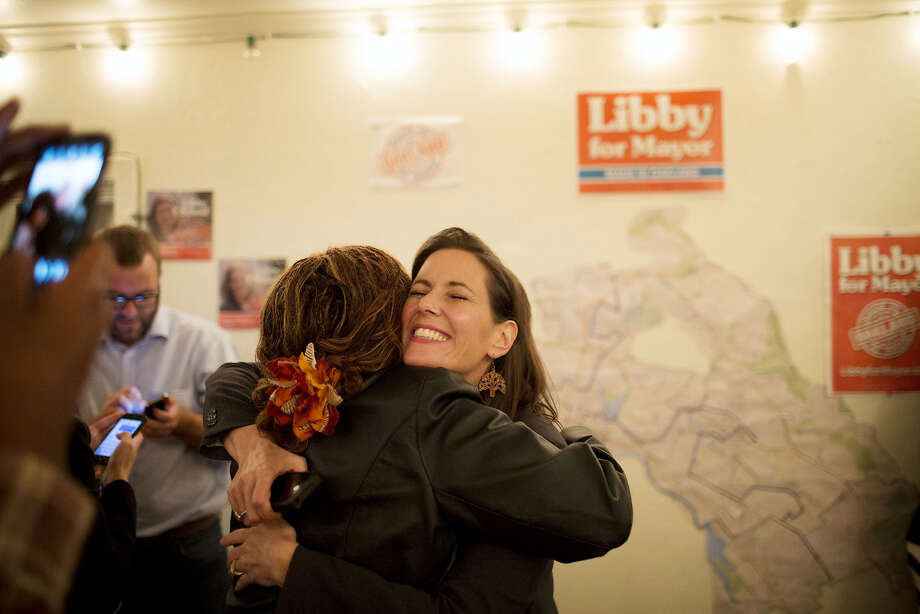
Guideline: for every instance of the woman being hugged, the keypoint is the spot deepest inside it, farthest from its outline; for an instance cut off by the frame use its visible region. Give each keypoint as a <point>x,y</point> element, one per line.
<point>415,459</point>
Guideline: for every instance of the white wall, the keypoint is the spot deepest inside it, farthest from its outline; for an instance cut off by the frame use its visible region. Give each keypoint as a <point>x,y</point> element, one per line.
<point>282,142</point>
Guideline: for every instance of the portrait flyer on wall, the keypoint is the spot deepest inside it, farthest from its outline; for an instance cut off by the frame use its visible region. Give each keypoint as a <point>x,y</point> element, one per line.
<point>415,152</point>
<point>243,286</point>
<point>650,141</point>
<point>181,222</point>
<point>874,313</point>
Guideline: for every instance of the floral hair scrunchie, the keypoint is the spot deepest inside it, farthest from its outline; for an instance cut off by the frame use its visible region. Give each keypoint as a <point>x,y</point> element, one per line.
<point>302,393</point>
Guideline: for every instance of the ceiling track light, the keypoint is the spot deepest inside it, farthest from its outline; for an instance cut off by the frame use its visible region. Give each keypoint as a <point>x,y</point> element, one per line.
<point>516,20</point>
<point>379,25</point>
<point>120,37</point>
<point>655,16</point>
<point>252,49</point>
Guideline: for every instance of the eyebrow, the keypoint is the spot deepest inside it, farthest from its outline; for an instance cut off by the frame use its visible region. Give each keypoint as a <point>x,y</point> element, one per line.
<point>452,284</point>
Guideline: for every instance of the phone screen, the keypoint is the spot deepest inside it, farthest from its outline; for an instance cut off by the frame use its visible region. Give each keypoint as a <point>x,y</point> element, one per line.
<point>52,221</point>
<point>125,424</point>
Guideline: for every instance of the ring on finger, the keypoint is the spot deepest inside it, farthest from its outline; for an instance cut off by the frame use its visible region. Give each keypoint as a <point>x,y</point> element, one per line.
<point>233,569</point>
<point>239,515</point>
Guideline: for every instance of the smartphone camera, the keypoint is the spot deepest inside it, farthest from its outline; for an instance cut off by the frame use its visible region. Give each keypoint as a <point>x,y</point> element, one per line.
<point>53,221</point>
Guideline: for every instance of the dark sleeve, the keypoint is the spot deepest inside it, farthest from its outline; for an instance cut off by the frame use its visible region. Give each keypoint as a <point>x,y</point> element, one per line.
<point>486,579</point>
<point>542,427</point>
<point>227,405</point>
<point>511,485</point>
<point>119,508</point>
<point>110,546</point>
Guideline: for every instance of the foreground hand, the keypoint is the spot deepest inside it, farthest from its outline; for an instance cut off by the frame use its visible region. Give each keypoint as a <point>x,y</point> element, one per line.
<point>260,462</point>
<point>122,460</point>
<point>56,327</point>
<point>18,149</point>
<point>263,553</point>
<point>165,420</point>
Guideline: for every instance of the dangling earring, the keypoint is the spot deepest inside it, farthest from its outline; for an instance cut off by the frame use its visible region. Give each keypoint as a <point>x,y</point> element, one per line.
<point>492,381</point>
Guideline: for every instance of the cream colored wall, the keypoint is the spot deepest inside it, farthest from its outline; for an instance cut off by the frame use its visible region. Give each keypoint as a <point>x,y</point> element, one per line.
<point>282,142</point>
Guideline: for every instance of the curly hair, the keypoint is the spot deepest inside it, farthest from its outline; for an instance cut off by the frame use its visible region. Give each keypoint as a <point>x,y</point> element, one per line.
<point>348,302</point>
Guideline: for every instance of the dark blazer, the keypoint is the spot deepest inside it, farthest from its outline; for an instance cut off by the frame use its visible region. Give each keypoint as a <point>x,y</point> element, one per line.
<point>416,460</point>
<point>484,578</point>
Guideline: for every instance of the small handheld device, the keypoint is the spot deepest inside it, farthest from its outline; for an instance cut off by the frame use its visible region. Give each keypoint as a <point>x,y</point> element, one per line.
<point>54,219</point>
<point>129,423</point>
<point>158,403</point>
<point>290,490</point>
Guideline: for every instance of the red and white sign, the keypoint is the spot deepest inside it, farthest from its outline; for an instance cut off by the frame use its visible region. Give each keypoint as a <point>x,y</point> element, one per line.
<point>415,152</point>
<point>650,141</point>
<point>875,313</point>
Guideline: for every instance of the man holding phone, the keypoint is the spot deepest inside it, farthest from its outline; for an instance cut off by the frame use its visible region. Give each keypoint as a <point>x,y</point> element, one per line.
<point>151,349</point>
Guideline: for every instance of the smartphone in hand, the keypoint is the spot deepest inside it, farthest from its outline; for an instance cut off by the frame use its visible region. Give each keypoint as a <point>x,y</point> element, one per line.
<point>290,490</point>
<point>158,403</point>
<point>54,219</point>
<point>129,423</point>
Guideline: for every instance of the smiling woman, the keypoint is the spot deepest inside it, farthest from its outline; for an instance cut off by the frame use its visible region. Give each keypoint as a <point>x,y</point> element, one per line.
<point>478,293</point>
<point>447,319</point>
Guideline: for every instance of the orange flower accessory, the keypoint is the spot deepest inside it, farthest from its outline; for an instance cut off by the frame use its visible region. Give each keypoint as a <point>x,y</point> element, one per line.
<point>302,393</point>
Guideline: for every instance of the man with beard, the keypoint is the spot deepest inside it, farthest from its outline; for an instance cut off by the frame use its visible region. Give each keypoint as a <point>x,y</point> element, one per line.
<point>151,349</point>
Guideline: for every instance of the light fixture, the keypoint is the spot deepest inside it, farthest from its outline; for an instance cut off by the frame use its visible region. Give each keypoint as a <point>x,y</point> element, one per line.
<point>519,50</point>
<point>656,41</point>
<point>252,49</point>
<point>12,71</point>
<point>379,25</point>
<point>792,42</point>
<point>516,21</point>
<point>120,37</point>
<point>915,22</point>
<point>387,50</point>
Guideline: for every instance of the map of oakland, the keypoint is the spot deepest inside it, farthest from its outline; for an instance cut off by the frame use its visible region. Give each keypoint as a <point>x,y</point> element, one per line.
<point>792,492</point>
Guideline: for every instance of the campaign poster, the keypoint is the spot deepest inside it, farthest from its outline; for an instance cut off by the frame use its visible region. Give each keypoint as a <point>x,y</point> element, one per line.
<point>181,223</point>
<point>415,152</point>
<point>650,141</point>
<point>874,313</point>
<point>243,286</point>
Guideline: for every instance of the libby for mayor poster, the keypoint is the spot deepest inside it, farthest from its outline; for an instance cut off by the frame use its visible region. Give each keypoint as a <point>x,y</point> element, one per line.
<point>650,141</point>
<point>874,313</point>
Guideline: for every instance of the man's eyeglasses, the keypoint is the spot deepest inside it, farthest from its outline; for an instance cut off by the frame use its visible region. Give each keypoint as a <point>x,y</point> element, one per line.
<point>141,300</point>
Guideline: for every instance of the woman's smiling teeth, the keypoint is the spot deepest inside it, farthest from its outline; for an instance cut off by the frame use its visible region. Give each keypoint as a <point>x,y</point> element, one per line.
<point>427,333</point>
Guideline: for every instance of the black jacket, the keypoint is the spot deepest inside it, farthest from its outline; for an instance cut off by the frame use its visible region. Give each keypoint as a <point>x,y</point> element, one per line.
<point>416,460</point>
<point>484,578</point>
<point>105,566</point>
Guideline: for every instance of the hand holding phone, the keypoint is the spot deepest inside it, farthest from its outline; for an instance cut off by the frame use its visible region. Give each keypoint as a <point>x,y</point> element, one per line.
<point>129,423</point>
<point>290,490</point>
<point>158,403</point>
<point>122,460</point>
<point>54,219</point>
